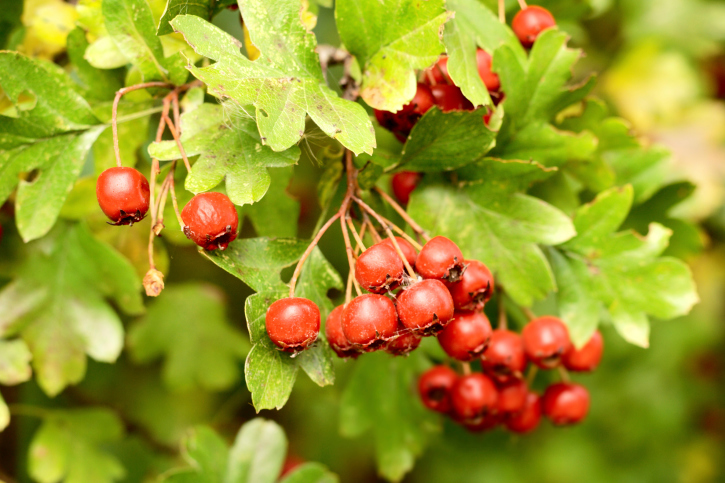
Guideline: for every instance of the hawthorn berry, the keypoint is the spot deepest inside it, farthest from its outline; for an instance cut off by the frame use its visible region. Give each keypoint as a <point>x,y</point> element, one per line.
<point>421,102</point>
<point>466,336</point>
<point>401,122</point>
<point>210,220</point>
<point>587,358</point>
<point>404,183</point>
<point>438,73</point>
<point>440,259</point>
<point>486,423</point>
<point>512,396</point>
<point>546,339</point>
<point>293,323</point>
<point>425,306</point>
<point>450,98</point>
<point>489,78</point>
<point>473,396</point>
<point>379,268</point>
<point>528,418</point>
<point>529,22</point>
<point>504,358</point>
<point>565,403</point>
<point>335,337</point>
<point>368,321</point>
<point>408,250</point>
<point>434,387</point>
<point>404,342</point>
<point>474,288</point>
<point>123,194</point>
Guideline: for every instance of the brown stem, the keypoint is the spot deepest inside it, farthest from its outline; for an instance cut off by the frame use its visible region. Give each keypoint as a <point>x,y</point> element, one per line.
<point>528,313</point>
<point>373,231</point>
<point>531,375</point>
<point>466,367</point>
<point>175,134</point>
<point>502,319</point>
<point>363,229</point>
<point>410,221</point>
<point>174,203</point>
<point>522,4</point>
<point>502,11</point>
<point>355,235</point>
<point>348,288</point>
<point>312,245</point>
<point>563,374</point>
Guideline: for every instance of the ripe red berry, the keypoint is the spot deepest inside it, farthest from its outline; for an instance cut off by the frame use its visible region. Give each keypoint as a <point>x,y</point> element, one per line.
<point>473,396</point>
<point>450,98</point>
<point>587,358</point>
<point>490,80</point>
<point>434,387</point>
<point>528,418</point>
<point>404,183</point>
<point>410,254</point>
<point>466,336</point>
<point>504,358</point>
<point>403,343</point>
<point>486,423</point>
<point>475,287</point>
<point>512,396</point>
<point>420,104</point>
<point>379,268</point>
<point>335,337</point>
<point>529,22</point>
<point>425,306</point>
<point>368,321</point>
<point>293,323</point>
<point>546,339</point>
<point>123,194</point>
<point>438,74</point>
<point>211,220</point>
<point>440,259</point>
<point>566,403</point>
<point>400,123</point>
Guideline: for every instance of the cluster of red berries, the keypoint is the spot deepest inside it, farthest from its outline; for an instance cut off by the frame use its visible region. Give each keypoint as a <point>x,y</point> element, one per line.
<point>499,395</point>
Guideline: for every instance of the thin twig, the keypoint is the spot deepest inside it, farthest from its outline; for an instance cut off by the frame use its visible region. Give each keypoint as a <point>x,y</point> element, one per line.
<point>355,234</point>
<point>348,288</point>
<point>175,134</point>
<point>563,374</point>
<point>410,221</point>
<point>522,4</point>
<point>502,319</point>
<point>502,11</point>
<point>373,231</point>
<point>531,375</point>
<point>174,203</point>
<point>528,313</point>
<point>466,367</point>
<point>312,245</point>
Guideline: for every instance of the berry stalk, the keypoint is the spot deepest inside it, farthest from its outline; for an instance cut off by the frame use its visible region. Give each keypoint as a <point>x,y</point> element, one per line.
<point>403,214</point>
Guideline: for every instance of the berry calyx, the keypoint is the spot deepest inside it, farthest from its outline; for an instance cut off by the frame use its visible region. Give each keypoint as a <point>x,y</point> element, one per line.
<point>440,259</point>
<point>490,79</point>
<point>425,306</point>
<point>529,22</point>
<point>293,323</point>
<point>368,321</point>
<point>474,288</point>
<point>528,418</point>
<point>587,358</point>
<point>434,387</point>
<point>404,183</point>
<point>379,268</point>
<point>512,396</point>
<point>504,358</point>
<point>123,195</point>
<point>473,396</point>
<point>450,98</point>
<point>466,336</point>
<point>210,220</point>
<point>408,250</point>
<point>565,403</point>
<point>403,343</point>
<point>335,337</point>
<point>546,339</point>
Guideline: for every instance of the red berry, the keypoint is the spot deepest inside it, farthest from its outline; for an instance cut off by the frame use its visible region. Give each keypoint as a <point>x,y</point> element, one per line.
<point>466,336</point>
<point>404,183</point>
<point>211,220</point>
<point>546,339</point>
<point>528,418</point>
<point>369,320</point>
<point>504,358</point>
<point>566,403</point>
<point>434,387</point>
<point>512,396</point>
<point>403,343</point>
<point>587,358</point>
<point>425,306</point>
<point>529,22</point>
<point>438,73</point>
<point>293,323</point>
<point>379,268</point>
<point>475,287</point>
<point>490,80</point>
<point>473,396</point>
<point>335,337</point>
<point>421,103</point>
<point>123,194</point>
<point>487,423</point>
<point>410,254</point>
<point>450,98</point>
<point>400,123</point>
<point>440,259</point>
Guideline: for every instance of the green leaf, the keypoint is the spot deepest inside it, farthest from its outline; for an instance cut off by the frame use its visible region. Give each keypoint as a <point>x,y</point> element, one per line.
<point>277,213</point>
<point>391,39</point>
<point>57,303</point>
<point>98,84</point>
<point>547,145</point>
<point>258,453</point>
<point>200,8</point>
<point>227,151</point>
<point>4,414</point>
<point>14,362</point>
<point>284,84</point>
<point>68,447</point>
<point>311,473</point>
<point>190,319</point>
<point>207,452</point>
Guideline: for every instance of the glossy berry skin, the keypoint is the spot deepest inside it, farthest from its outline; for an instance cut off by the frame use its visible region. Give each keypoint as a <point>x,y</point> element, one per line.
<point>466,336</point>
<point>403,184</point>
<point>486,423</point>
<point>565,403</point>
<point>425,306</point>
<point>475,287</point>
<point>587,358</point>
<point>528,418</point>
<point>408,250</point>
<point>211,220</point>
<point>512,396</point>
<point>123,194</point>
<point>293,323</point>
<point>529,22</point>
<point>504,358</point>
<point>546,339</point>
<point>434,387</point>
<point>473,396</point>
<point>335,337</point>
<point>421,102</point>
<point>483,61</point>
<point>440,259</point>
<point>379,268</point>
<point>403,343</point>
<point>450,98</point>
<point>368,321</point>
